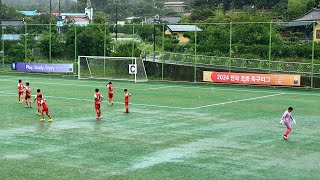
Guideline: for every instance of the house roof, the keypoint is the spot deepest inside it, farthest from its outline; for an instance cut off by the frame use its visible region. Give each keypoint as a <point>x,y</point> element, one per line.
<point>174,3</point>
<point>11,37</point>
<point>296,24</point>
<point>12,22</point>
<point>170,20</point>
<point>183,28</point>
<point>312,15</point>
<point>74,14</point>
<point>30,13</point>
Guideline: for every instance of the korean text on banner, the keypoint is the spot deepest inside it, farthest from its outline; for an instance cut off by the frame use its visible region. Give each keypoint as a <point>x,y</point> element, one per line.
<point>246,78</point>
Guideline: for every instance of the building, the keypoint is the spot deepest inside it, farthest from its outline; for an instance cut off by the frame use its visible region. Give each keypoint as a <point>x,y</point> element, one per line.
<point>80,19</point>
<point>178,7</point>
<point>180,30</point>
<point>166,19</point>
<point>304,24</point>
<point>30,13</point>
<point>12,24</point>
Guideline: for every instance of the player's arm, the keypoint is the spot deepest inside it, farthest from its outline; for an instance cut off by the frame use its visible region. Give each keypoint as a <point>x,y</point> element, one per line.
<point>35,97</point>
<point>101,98</point>
<point>294,121</point>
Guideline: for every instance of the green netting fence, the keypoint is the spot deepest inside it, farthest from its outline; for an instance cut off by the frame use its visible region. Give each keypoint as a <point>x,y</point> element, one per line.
<point>255,47</point>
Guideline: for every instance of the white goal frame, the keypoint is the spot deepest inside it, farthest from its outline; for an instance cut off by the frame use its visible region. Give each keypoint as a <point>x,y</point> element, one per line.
<point>103,58</point>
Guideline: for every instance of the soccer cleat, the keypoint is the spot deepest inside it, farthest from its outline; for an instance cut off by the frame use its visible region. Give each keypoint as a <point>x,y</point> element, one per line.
<point>41,120</point>
<point>285,137</point>
<point>50,120</point>
<point>19,102</point>
<point>27,106</point>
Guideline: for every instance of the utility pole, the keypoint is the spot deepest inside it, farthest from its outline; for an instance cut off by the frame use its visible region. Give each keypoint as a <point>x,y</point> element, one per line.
<point>50,12</point>
<point>0,20</point>
<point>116,20</point>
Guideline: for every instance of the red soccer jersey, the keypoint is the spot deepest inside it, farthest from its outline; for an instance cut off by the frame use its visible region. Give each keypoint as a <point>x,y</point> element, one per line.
<point>43,102</point>
<point>97,98</point>
<point>38,97</point>
<point>20,87</point>
<point>110,88</point>
<point>28,90</point>
<point>126,97</point>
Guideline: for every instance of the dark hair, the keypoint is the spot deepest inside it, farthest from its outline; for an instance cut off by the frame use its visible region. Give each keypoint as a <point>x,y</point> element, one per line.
<point>125,90</point>
<point>290,108</point>
<point>110,82</point>
<point>97,90</point>
<point>38,90</point>
<point>20,81</point>
<point>27,83</point>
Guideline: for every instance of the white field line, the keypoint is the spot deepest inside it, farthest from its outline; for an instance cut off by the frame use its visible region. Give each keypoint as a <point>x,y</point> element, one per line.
<point>93,86</point>
<point>236,101</point>
<point>169,107</point>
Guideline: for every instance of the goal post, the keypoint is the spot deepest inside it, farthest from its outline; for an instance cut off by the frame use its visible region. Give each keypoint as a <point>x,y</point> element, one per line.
<point>112,68</point>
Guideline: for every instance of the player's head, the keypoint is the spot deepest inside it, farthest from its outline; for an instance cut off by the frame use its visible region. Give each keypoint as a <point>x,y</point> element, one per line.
<point>27,83</point>
<point>125,90</point>
<point>20,80</point>
<point>290,109</point>
<point>97,90</point>
<point>110,82</point>
<point>38,90</point>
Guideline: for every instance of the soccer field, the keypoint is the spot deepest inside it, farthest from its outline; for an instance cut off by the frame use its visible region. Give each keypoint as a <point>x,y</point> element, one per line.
<point>173,131</point>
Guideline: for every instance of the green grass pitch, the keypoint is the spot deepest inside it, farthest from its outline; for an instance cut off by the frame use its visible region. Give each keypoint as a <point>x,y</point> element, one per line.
<point>173,131</point>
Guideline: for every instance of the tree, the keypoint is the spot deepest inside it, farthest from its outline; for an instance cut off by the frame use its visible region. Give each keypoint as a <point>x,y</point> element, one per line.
<point>57,47</point>
<point>90,40</point>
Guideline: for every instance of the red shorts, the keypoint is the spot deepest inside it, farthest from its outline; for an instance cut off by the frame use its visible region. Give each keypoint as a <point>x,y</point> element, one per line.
<point>20,92</point>
<point>38,103</point>
<point>126,103</point>
<point>28,96</point>
<point>97,106</point>
<point>110,96</point>
<point>45,110</point>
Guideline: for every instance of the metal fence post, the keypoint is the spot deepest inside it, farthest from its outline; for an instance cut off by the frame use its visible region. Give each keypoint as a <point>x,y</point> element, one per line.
<point>162,65</point>
<point>270,47</point>
<point>312,61</point>
<point>230,47</point>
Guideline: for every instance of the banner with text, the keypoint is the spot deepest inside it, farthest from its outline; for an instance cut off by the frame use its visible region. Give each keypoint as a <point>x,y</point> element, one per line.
<point>246,78</point>
<point>37,67</point>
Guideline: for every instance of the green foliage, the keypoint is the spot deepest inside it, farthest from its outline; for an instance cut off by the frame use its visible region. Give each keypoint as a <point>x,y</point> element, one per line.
<point>57,47</point>
<point>126,49</point>
<point>90,40</point>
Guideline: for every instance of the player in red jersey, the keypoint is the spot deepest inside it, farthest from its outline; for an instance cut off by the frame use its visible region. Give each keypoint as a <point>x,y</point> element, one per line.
<point>126,99</point>
<point>110,93</point>
<point>45,108</point>
<point>20,91</point>
<point>28,95</point>
<point>97,100</point>
<point>38,97</point>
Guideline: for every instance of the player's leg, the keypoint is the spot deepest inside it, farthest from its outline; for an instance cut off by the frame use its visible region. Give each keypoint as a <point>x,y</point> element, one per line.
<point>127,107</point>
<point>42,115</point>
<point>287,132</point>
<point>47,112</point>
<point>39,109</point>
<point>27,101</point>
<point>19,97</point>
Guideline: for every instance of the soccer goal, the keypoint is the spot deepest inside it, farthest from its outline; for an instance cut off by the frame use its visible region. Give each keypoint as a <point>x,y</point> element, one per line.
<point>111,68</point>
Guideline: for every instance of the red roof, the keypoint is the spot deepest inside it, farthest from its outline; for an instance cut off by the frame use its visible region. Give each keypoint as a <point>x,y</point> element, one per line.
<point>78,19</point>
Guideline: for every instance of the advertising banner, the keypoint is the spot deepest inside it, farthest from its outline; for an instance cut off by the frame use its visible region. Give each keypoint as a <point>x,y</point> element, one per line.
<point>46,68</point>
<point>246,78</point>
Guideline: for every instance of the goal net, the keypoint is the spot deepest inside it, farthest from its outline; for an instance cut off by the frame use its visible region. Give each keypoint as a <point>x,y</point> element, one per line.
<point>111,68</point>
